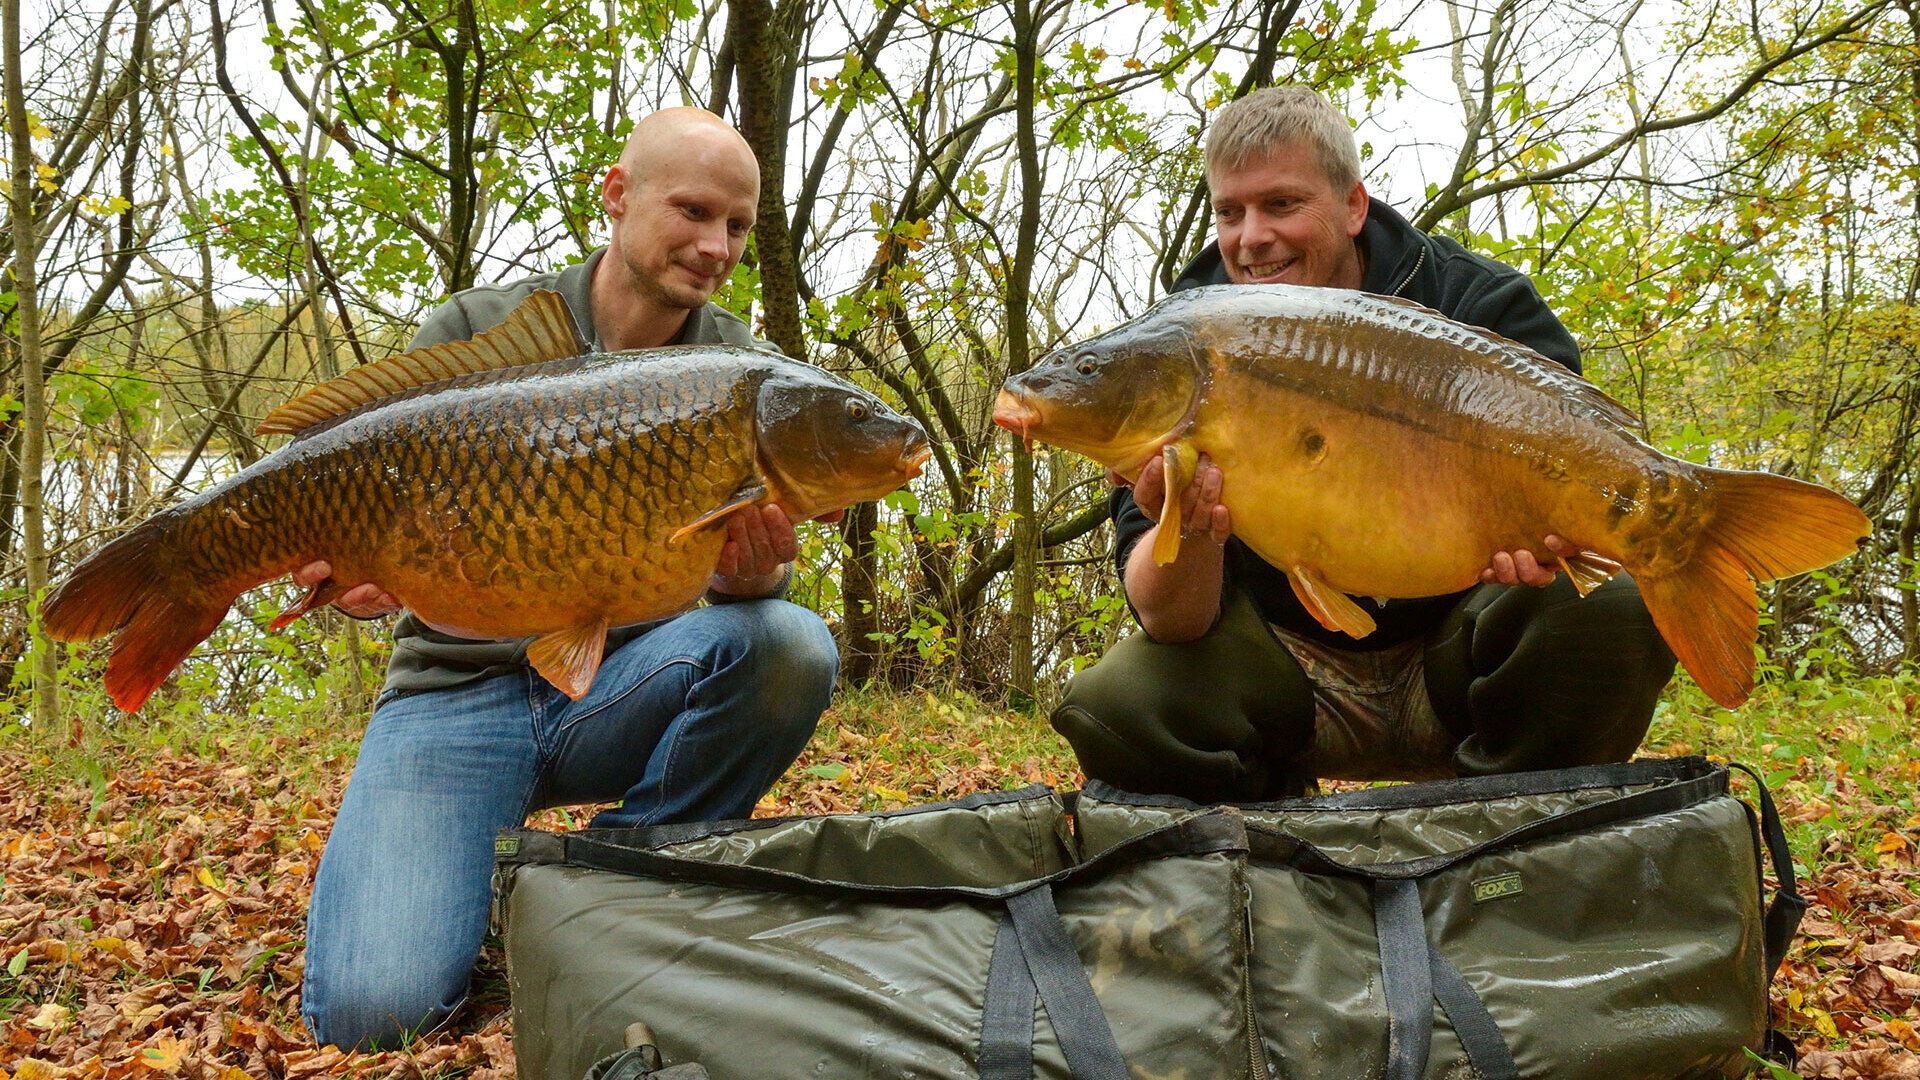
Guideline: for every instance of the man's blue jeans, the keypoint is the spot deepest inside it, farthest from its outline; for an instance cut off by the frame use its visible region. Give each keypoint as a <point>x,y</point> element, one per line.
<point>693,720</point>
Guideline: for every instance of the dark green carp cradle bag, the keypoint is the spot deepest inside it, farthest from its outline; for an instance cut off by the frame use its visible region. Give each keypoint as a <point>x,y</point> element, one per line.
<point>1603,923</point>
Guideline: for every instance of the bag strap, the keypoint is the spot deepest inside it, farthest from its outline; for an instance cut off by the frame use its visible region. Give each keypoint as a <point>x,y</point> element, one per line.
<point>1486,1047</point>
<point>1034,956</point>
<point>1787,907</point>
<point>1006,1025</point>
<point>1406,976</point>
<point>1413,976</point>
<point>1271,845</point>
<point>1201,834</point>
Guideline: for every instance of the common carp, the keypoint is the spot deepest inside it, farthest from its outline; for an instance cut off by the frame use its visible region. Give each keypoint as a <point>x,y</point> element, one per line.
<point>516,485</point>
<point>1373,447</point>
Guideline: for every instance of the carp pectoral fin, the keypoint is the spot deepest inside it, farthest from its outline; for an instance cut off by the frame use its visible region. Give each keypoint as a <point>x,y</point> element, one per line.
<point>1588,570</point>
<point>324,592</point>
<point>1181,461</point>
<point>742,499</point>
<point>1333,609</point>
<point>569,658</point>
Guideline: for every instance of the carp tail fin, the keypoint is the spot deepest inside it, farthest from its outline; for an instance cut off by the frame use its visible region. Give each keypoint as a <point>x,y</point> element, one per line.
<point>1764,527</point>
<point>1710,615</point>
<point>124,587</point>
<point>1777,526</point>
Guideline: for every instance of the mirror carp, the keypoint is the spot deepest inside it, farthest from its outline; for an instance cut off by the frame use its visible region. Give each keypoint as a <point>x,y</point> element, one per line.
<point>1373,447</point>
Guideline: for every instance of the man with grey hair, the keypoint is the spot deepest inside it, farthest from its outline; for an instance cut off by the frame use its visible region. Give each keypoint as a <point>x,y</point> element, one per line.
<point>688,719</point>
<point>1232,691</point>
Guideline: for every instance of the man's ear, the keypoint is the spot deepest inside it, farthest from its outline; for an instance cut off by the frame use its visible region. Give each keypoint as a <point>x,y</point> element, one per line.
<point>613,192</point>
<point>1356,208</point>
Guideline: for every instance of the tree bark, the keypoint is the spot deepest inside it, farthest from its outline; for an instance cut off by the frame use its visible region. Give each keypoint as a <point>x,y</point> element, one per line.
<point>1026,523</point>
<point>763,39</point>
<point>33,395</point>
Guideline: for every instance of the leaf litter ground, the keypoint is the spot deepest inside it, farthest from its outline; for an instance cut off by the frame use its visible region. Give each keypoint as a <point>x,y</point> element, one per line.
<point>153,888</point>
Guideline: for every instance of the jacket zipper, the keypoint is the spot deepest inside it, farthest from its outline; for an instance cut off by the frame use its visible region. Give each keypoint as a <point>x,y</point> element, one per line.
<point>1419,260</point>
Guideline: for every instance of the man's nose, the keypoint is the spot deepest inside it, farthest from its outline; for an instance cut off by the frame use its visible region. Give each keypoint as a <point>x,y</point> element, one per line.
<point>1258,228</point>
<point>714,242</point>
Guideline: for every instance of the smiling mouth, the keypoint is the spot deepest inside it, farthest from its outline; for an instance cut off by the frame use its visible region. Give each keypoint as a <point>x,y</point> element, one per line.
<point>1261,270</point>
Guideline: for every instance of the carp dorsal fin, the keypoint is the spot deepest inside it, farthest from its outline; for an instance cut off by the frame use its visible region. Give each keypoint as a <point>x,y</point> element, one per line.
<point>540,329</point>
<point>1570,389</point>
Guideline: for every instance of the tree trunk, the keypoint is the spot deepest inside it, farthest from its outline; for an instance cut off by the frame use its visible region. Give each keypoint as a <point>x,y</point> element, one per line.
<point>761,36</point>
<point>33,396</point>
<point>1026,522</point>
<point>859,595</point>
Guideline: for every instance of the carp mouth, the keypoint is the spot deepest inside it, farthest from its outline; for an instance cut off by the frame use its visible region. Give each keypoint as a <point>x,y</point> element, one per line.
<point>1018,415</point>
<point>913,459</point>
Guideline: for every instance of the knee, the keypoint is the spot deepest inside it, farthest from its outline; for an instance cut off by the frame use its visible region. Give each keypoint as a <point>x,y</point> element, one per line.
<point>1156,736</point>
<point>375,1006</point>
<point>789,655</point>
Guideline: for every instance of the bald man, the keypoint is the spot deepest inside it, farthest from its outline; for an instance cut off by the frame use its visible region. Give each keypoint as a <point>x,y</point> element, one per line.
<point>689,719</point>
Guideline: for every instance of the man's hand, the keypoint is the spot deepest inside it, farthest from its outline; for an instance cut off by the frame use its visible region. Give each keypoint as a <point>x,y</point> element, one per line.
<point>1201,513</point>
<point>1179,601</point>
<point>760,544</point>
<point>364,601</point>
<point>1521,568</point>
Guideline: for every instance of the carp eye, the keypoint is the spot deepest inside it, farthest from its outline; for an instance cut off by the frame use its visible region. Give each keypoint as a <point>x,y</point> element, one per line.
<point>1085,366</point>
<point>856,409</point>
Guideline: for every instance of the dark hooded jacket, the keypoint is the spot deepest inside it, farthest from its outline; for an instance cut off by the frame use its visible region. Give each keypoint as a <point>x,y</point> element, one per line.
<point>1397,260</point>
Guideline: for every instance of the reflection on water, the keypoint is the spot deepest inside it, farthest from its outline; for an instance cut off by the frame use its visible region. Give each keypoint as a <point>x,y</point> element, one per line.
<point>91,496</point>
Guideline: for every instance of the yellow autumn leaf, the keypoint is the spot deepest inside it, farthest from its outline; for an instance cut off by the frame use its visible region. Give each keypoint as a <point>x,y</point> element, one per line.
<point>1904,1033</point>
<point>163,1054</point>
<point>140,1018</point>
<point>51,1017</point>
<point>38,130</point>
<point>205,877</point>
<point>1890,843</point>
<point>1823,1023</point>
<point>35,1069</point>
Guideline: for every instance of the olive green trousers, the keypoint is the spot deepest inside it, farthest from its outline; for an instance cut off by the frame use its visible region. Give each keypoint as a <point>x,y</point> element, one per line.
<point>1512,679</point>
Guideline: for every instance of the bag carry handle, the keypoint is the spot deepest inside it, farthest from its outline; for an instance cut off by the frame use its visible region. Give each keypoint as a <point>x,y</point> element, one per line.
<point>1413,976</point>
<point>1784,911</point>
<point>1034,957</point>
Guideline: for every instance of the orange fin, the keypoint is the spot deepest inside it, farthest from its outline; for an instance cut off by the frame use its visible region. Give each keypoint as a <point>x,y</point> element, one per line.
<point>108,588</point>
<point>1333,609</point>
<point>540,329</point>
<point>1763,527</point>
<point>325,592</point>
<point>124,587</point>
<point>1181,462</point>
<point>1778,527</point>
<point>1588,570</point>
<point>1710,615</point>
<point>570,658</point>
<point>742,499</point>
